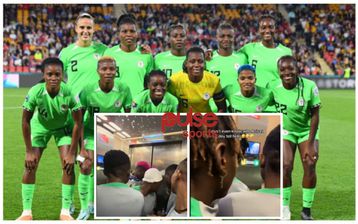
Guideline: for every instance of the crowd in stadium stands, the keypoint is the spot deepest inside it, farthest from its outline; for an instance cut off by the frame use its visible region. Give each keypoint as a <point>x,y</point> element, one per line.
<point>33,32</point>
<point>328,30</point>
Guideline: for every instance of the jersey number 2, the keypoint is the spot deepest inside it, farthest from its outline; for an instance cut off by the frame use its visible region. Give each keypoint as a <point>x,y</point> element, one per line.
<point>74,66</point>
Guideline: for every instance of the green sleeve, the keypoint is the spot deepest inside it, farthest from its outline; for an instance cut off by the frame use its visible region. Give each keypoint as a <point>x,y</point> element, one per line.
<point>244,51</point>
<point>128,100</point>
<point>63,58</point>
<point>75,103</point>
<point>315,100</point>
<point>135,105</point>
<point>150,64</point>
<point>30,100</point>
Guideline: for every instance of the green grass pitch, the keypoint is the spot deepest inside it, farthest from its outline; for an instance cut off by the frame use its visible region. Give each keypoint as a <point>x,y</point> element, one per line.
<point>335,195</point>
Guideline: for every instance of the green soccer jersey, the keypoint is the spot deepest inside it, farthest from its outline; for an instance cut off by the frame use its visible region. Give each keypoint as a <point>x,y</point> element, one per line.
<point>225,67</point>
<point>257,103</point>
<point>52,113</point>
<point>94,100</point>
<point>295,104</point>
<point>143,104</point>
<point>131,67</point>
<point>80,64</point>
<point>265,60</point>
<point>168,63</point>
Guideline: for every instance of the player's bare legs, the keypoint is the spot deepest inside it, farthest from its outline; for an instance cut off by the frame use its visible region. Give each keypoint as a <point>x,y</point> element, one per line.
<point>309,178</point>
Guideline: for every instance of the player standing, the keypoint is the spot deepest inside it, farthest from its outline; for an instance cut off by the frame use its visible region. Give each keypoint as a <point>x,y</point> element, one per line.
<point>225,61</point>
<point>171,61</point>
<point>155,99</point>
<point>80,58</point>
<point>194,87</point>
<point>80,64</point>
<point>298,100</point>
<point>132,64</point>
<point>264,55</point>
<point>247,97</point>
<point>102,96</point>
<point>54,103</point>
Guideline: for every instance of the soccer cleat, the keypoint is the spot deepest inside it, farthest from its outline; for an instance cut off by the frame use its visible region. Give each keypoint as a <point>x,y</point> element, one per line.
<point>72,209</point>
<point>91,209</point>
<point>286,214</point>
<point>305,216</point>
<point>24,218</point>
<point>65,217</point>
<point>84,215</point>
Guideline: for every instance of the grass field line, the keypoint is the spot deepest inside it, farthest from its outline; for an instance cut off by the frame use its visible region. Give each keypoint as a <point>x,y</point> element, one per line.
<point>12,108</point>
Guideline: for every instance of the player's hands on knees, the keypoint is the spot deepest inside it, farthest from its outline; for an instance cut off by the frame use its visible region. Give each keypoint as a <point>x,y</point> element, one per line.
<point>68,163</point>
<point>310,154</point>
<point>145,49</point>
<point>31,160</point>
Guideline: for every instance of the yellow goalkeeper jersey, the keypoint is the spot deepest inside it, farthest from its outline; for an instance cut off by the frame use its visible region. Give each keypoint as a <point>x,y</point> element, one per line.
<point>195,95</point>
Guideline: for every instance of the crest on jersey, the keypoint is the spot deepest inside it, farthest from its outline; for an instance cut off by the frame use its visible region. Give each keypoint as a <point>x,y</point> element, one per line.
<point>285,132</point>
<point>118,103</point>
<point>237,66</point>
<point>206,96</point>
<point>64,107</point>
<point>134,105</point>
<point>259,108</point>
<point>140,64</point>
<point>315,91</point>
<point>97,56</point>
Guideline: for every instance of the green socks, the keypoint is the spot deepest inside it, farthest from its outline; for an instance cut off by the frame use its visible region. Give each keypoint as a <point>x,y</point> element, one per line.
<point>27,195</point>
<point>308,197</point>
<point>67,192</point>
<point>91,187</point>
<point>83,189</point>
<point>286,196</point>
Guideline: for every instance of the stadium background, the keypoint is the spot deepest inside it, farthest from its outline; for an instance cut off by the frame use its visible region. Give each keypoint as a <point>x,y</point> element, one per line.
<point>322,38</point>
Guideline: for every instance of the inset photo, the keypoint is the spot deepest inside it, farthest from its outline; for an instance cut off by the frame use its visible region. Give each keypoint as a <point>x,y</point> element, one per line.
<point>141,167</point>
<point>235,167</point>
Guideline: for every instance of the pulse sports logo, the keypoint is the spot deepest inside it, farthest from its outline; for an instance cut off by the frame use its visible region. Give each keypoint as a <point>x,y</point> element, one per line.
<point>209,120</point>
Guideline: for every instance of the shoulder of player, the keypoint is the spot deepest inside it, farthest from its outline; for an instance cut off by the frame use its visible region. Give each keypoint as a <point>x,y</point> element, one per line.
<point>261,91</point>
<point>65,89</point>
<point>162,55</point>
<point>169,98</point>
<point>142,96</point>
<point>110,50</point>
<point>209,75</point>
<point>284,48</point>
<point>37,89</point>
<point>64,51</point>
<point>120,86</point>
<point>274,84</point>
<point>177,76</point>
<point>308,83</point>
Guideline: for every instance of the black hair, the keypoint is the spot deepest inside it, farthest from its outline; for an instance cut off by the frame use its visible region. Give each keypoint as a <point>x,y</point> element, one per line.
<point>171,168</point>
<point>174,27</point>
<point>287,57</point>
<point>51,61</point>
<point>117,163</point>
<point>271,150</point>
<point>151,74</point>
<point>267,16</point>
<point>194,49</point>
<point>224,26</point>
<point>126,19</point>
